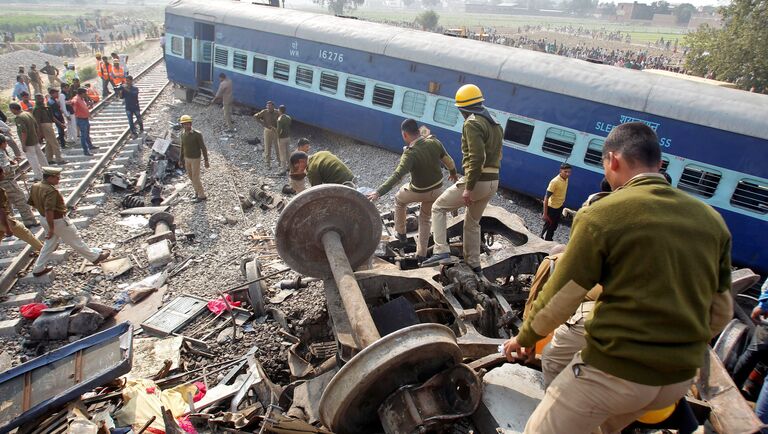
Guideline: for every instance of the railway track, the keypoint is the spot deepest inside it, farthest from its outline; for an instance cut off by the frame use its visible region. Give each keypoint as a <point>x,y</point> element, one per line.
<point>79,180</point>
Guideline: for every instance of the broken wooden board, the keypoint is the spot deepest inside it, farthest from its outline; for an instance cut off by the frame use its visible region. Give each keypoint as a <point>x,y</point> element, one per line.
<point>137,313</point>
<point>33,389</point>
<point>730,412</point>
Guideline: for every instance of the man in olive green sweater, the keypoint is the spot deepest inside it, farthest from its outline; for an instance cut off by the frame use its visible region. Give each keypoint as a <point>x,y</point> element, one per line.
<point>192,148</point>
<point>664,261</point>
<point>320,168</point>
<point>481,138</point>
<point>422,158</point>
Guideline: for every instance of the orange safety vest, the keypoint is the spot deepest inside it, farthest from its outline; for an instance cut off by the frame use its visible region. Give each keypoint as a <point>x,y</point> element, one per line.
<point>93,94</point>
<point>118,75</point>
<point>26,107</point>
<point>103,70</point>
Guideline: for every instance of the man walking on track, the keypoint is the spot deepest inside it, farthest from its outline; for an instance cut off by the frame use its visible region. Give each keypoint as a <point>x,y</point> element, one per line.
<point>192,148</point>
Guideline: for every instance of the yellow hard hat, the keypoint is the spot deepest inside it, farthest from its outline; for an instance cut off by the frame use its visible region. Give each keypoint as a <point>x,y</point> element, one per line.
<point>98,55</point>
<point>184,119</point>
<point>467,95</point>
<point>655,416</point>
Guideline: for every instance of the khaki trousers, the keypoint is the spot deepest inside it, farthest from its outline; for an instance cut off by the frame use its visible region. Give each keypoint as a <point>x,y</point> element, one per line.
<point>404,197</point>
<point>22,233</point>
<point>192,165</point>
<point>37,87</point>
<point>36,160</point>
<point>567,340</point>
<point>297,186</point>
<point>228,114</point>
<point>451,200</point>
<point>283,145</point>
<point>53,79</point>
<point>270,142</point>
<point>65,232</point>
<point>583,398</point>
<point>52,149</point>
<point>18,200</point>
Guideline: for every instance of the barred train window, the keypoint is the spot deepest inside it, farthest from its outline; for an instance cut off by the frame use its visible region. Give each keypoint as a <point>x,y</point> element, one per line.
<point>207,46</point>
<point>594,155</point>
<point>414,103</point>
<point>304,76</point>
<point>221,56</point>
<point>752,195</point>
<point>664,164</point>
<point>281,71</point>
<point>383,96</point>
<point>240,61</point>
<point>329,82</point>
<point>259,65</point>
<point>699,181</point>
<point>559,142</point>
<point>518,132</point>
<point>445,112</point>
<point>177,45</point>
<point>355,89</point>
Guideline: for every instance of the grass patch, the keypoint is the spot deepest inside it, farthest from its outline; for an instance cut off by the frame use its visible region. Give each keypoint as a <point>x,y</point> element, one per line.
<point>86,73</point>
<point>28,23</point>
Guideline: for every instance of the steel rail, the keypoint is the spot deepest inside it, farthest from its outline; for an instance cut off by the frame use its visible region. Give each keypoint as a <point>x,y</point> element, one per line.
<point>23,259</point>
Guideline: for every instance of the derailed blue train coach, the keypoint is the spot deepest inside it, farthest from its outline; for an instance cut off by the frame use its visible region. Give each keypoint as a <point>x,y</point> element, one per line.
<point>360,79</point>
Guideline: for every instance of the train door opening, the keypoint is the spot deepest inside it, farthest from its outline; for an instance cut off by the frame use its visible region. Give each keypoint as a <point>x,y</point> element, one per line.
<point>204,34</point>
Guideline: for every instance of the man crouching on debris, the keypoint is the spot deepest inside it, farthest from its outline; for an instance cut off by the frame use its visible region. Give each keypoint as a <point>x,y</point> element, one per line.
<point>664,261</point>
<point>44,197</point>
<point>192,148</point>
<point>320,168</point>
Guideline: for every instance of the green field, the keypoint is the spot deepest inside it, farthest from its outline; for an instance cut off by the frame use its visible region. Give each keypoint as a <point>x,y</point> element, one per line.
<point>640,34</point>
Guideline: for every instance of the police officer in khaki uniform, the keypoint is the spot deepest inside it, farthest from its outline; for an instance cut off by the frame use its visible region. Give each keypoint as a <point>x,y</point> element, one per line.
<point>192,148</point>
<point>46,120</point>
<point>283,137</point>
<point>268,119</point>
<point>10,225</point>
<point>50,204</point>
<point>296,181</point>
<point>29,134</point>
<point>13,192</point>
<point>422,158</point>
<point>481,138</point>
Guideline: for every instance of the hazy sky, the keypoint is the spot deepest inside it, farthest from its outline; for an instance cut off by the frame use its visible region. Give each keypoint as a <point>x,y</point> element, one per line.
<point>696,3</point>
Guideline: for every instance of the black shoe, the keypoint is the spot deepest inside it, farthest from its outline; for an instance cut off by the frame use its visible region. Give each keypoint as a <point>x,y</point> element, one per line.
<point>31,225</point>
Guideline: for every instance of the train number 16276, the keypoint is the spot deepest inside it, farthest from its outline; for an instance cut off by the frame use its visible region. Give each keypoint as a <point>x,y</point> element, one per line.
<point>331,56</point>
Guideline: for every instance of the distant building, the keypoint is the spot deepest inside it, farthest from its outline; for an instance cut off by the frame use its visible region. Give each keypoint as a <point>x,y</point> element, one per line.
<point>714,21</point>
<point>633,11</point>
<point>664,20</point>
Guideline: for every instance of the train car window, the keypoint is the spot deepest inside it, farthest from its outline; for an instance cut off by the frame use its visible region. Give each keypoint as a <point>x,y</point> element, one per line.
<point>188,48</point>
<point>594,155</point>
<point>221,56</point>
<point>177,45</point>
<point>445,112</point>
<point>259,65</point>
<point>414,103</point>
<point>329,82</point>
<point>281,71</point>
<point>699,180</point>
<point>355,89</point>
<point>518,132</point>
<point>206,47</point>
<point>664,164</point>
<point>383,96</point>
<point>752,195</point>
<point>304,76</point>
<point>240,61</point>
<point>559,142</point>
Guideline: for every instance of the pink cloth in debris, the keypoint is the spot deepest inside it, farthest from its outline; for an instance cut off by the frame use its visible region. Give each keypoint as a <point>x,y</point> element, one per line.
<point>201,389</point>
<point>218,306</point>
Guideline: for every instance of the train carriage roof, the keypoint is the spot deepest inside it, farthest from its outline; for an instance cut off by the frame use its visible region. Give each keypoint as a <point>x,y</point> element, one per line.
<point>703,104</point>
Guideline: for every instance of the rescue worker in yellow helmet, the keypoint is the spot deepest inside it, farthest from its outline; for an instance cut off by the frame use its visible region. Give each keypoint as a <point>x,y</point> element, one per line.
<point>481,137</point>
<point>192,148</point>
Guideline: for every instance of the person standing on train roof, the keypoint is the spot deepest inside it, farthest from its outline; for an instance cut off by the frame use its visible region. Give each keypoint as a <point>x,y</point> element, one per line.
<point>423,157</point>
<point>192,148</point>
<point>554,200</point>
<point>481,138</point>
<point>662,257</point>
<point>224,96</point>
<point>268,119</point>
<point>283,138</point>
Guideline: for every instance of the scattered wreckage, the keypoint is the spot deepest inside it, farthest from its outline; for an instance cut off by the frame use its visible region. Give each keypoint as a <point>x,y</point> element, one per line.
<point>409,350</point>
